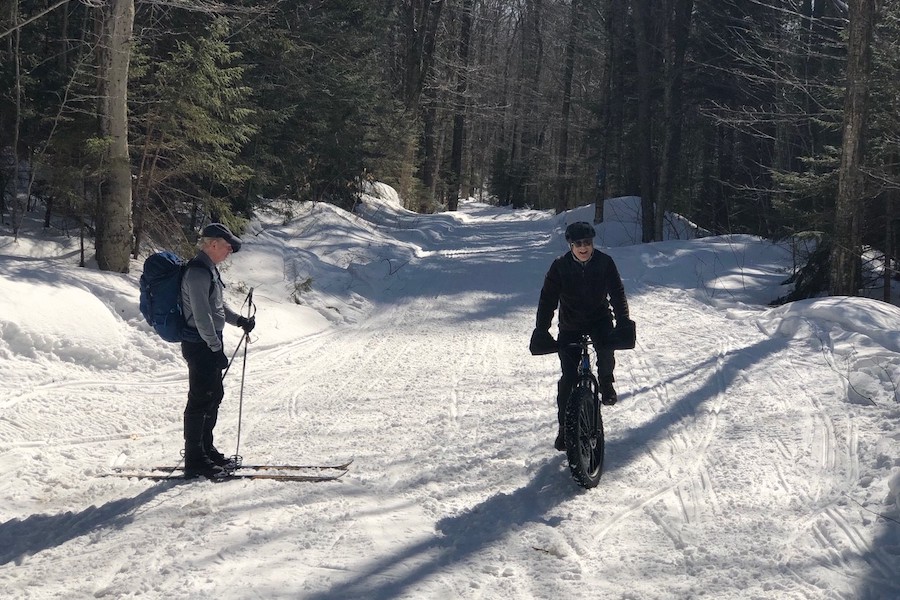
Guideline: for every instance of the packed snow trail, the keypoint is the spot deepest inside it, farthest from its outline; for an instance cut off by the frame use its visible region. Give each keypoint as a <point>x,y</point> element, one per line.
<point>732,460</point>
<point>691,445</point>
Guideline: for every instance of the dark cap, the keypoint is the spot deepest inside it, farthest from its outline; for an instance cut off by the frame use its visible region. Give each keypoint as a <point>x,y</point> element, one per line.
<point>217,230</point>
<point>582,230</point>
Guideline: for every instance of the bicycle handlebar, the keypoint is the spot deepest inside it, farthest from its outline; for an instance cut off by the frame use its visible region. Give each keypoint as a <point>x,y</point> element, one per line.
<point>585,341</point>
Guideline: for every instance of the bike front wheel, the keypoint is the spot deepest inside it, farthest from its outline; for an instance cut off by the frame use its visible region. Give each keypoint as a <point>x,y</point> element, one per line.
<point>584,437</point>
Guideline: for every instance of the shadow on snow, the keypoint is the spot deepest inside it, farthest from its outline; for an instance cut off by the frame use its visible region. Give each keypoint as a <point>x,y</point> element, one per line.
<point>497,517</point>
<point>20,538</point>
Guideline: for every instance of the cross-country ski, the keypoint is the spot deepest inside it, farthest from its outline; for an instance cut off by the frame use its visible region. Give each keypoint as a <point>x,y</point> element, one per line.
<point>255,467</point>
<point>230,476</point>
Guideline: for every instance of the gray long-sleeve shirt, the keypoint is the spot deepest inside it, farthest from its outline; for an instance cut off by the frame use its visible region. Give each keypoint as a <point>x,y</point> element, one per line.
<point>203,301</point>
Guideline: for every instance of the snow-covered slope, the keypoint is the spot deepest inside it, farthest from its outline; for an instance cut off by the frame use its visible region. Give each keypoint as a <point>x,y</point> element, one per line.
<point>754,452</point>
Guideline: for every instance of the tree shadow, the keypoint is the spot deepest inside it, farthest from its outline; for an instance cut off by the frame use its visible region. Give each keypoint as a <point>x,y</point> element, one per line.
<point>883,558</point>
<point>626,448</point>
<point>464,535</point>
<point>459,537</point>
<point>20,538</point>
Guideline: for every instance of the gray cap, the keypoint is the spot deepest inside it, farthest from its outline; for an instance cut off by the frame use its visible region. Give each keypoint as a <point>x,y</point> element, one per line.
<point>217,230</point>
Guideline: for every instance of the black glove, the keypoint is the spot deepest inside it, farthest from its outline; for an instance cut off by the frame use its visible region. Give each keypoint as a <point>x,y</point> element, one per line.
<point>624,336</point>
<point>220,360</point>
<point>542,342</point>
<point>246,324</point>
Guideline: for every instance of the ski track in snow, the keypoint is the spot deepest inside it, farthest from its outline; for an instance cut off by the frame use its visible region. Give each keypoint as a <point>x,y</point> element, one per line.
<point>455,491</point>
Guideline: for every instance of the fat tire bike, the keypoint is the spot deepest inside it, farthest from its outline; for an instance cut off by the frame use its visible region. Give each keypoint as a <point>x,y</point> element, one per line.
<point>585,443</point>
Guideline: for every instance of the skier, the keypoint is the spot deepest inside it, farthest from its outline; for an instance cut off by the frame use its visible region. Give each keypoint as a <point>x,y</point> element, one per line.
<point>584,283</point>
<point>206,313</point>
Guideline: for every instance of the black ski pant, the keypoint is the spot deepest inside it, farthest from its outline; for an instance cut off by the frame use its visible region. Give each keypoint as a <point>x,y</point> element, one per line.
<point>205,391</point>
<point>570,357</point>
<point>205,394</point>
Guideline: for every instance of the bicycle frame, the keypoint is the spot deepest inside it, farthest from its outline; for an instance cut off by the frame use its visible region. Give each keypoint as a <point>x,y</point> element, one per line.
<point>586,375</point>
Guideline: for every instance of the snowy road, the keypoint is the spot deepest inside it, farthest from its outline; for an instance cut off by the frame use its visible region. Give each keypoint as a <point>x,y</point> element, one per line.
<point>733,465</point>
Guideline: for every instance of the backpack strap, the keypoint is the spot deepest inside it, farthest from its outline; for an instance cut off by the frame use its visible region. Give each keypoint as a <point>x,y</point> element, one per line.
<point>193,263</point>
<point>213,272</point>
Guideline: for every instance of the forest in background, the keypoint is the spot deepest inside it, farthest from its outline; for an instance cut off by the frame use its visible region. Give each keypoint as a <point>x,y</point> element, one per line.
<point>143,119</point>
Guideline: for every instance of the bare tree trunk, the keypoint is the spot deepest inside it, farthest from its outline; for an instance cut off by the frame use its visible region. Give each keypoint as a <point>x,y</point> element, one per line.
<point>114,227</point>
<point>459,115</point>
<point>644,129</point>
<point>715,163</point>
<point>679,27</point>
<point>16,209</point>
<point>526,127</point>
<point>562,169</point>
<point>611,148</point>
<point>421,22</point>
<point>146,183</point>
<point>430,159</point>
<point>48,211</point>
<point>889,243</point>
<point>846,251</point>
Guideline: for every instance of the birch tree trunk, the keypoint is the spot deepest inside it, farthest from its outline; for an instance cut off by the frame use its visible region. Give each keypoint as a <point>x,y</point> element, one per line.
<point>114,227</point>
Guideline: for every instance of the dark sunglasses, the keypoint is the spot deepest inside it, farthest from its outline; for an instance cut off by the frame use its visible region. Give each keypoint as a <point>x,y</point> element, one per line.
<point>582,243</point>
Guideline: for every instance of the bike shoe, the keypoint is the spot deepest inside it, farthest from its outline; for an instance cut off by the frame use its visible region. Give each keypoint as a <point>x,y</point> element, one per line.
<point>608,394</point>
<point>560,443</point>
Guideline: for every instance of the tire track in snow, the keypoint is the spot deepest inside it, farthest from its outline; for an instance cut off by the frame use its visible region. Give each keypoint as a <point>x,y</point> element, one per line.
<point>825,536</point>
<point>311,379</point>
<point>372,370</point>
<point>823,443</point>
<point>698,446</point>
<point>690,490</point>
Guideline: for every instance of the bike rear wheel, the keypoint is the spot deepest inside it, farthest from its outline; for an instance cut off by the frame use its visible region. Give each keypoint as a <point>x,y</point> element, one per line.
<point>585,444</point>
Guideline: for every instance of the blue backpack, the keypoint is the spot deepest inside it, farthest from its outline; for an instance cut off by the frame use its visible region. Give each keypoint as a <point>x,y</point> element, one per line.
<point>161,294</point>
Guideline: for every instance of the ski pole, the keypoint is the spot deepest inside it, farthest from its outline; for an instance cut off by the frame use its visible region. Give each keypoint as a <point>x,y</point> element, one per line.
<point>233,354</point>
<point>251,312</point>
<point>248,301</point>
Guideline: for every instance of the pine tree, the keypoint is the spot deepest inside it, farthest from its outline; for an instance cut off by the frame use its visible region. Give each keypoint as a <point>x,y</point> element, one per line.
<point>324,116</point>
<point>191,120</point>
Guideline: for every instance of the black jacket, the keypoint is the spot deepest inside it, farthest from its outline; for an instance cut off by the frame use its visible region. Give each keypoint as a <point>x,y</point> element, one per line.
<point>584,293</point>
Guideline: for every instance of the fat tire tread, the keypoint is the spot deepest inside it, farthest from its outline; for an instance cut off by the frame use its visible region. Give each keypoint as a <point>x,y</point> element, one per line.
<point>582,401</point>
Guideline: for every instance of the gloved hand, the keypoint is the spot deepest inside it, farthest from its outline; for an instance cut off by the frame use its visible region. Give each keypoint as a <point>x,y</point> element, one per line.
<point>220,360</point>
<point>542,342</point>
<point>246,324</point>
<point>624,336</point>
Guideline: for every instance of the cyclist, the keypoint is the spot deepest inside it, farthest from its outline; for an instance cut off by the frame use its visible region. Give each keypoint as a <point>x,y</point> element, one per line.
<point>584,283</point>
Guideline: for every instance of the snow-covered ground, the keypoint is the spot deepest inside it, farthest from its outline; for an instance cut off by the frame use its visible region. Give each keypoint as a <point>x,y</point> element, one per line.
<point>754,453</point>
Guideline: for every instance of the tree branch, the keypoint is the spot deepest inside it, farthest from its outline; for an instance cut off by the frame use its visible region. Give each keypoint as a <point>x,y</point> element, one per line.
<point>206,6</point>
<point>34,18</point>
